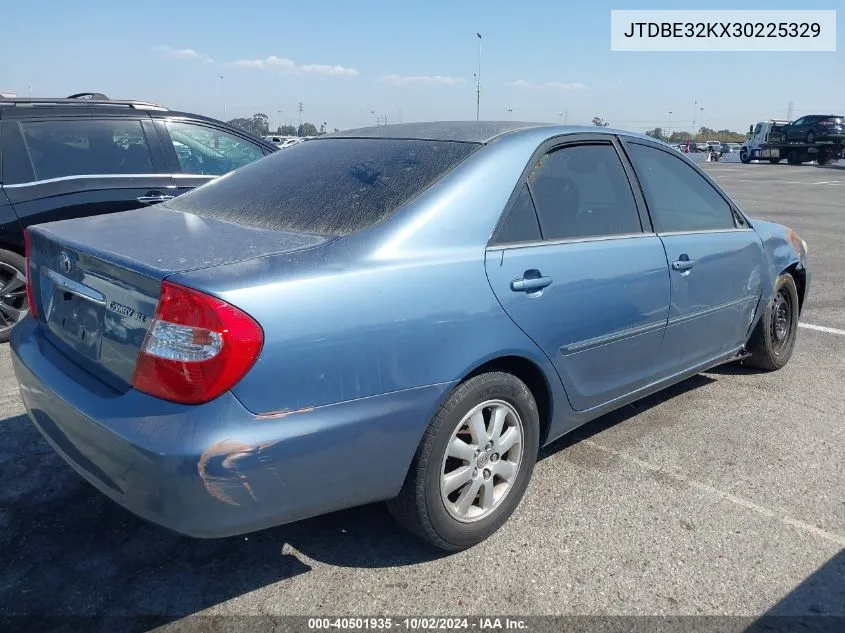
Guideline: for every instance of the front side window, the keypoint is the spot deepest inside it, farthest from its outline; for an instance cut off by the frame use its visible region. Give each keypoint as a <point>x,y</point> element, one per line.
<point>582,191</point>
<point>207,151</point>
<point>678,197</point>
<point>75,147</point>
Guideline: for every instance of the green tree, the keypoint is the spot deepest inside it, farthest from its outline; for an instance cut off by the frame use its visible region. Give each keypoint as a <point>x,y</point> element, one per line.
<point>679,136</point>
<point>307,129</point>
<point>656,133</point>
<point>286,130</point>
<point>257,124</point>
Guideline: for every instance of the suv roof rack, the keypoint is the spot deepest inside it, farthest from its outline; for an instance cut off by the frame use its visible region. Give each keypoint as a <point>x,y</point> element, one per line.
<point>82,99</point>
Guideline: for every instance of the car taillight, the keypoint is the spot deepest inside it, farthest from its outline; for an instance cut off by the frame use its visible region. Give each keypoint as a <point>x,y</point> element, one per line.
<point>197,347</point>
<point>30,294</point>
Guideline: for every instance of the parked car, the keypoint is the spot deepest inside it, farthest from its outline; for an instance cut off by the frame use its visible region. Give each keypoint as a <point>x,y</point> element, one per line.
<point>402,313</point>
<point>725,148</point>
<point>815,127</point>
<point>87,155</point>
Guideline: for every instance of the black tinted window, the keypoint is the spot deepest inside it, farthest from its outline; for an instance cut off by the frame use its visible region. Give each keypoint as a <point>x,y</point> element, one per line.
<point>205,150</point>
<point>79,147</point>
<point>520,224</point>
<point>327,187</point>
<point>16,165</point>
<point>582,191</point>
<point>678,197</point>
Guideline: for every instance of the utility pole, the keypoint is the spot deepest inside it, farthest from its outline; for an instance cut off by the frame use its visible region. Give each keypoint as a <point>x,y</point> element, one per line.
<point>299,107</point>
<point>789,112</point>
<point>478,82</point>
<point>223,87</point>
<point>669,131</point>
<point>279,130</point>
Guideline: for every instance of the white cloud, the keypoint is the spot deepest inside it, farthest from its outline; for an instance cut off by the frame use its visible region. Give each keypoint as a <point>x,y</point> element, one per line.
<point>268,63</point>
<point>283,64</point>
<point>548,85</point>
<point>421,80</point>
<point>327,69</point>
<point>182,53</point>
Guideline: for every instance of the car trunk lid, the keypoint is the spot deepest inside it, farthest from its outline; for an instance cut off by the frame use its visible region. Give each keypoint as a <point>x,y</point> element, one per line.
<point>96,281</point>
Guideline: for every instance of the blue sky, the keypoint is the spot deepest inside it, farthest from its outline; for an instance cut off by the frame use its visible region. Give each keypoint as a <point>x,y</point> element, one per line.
<point>405,60</point>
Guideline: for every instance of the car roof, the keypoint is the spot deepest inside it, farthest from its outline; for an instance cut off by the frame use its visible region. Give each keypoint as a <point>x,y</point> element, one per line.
<point>471,131</point>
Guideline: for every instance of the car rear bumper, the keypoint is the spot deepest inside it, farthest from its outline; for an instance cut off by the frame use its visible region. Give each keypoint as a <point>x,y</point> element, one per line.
<point>218,470</point>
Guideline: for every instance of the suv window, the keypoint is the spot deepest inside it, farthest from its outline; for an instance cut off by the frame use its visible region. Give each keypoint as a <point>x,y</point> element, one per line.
<point>582,191</point>
<point>207,151</point>
<point>326,186</point>
<point>800,121</point>
<point>678,197</point>
<point>75,147</point>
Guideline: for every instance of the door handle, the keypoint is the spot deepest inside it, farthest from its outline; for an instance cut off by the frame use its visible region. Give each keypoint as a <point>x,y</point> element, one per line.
<point>531,284</point>
<point>683,264</point>
<point>154,198</point>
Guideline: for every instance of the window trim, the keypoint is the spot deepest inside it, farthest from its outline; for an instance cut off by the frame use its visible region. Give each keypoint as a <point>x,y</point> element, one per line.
<point>740,220</point>
<point>562,141</point>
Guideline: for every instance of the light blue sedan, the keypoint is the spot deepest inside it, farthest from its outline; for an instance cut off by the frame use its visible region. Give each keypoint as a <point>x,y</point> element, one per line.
<point>402,313</point>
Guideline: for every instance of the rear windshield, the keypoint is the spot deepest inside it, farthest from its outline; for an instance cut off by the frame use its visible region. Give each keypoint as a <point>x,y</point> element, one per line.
<point>328,186</point>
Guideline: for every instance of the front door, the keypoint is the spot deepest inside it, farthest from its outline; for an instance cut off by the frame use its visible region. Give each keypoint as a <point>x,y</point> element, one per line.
<point>198,153</point>
<point>715,260</point>
<point>588,284</point>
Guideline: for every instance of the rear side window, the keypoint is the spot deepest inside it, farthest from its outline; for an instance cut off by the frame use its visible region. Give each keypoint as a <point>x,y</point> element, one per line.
<point>86,147</point>
<point>678,197</point>
<point>520,224</point>
<point>582,191</point>
<point>832,120</point>
<point>208,151</point>
<point>326,187</point>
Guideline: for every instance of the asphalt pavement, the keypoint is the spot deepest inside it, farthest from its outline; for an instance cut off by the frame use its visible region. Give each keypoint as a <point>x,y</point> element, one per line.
<point>724,495</point>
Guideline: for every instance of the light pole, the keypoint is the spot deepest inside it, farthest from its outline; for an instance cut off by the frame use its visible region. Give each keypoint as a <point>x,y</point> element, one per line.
<point>478,81</point>
<point>694,113</point>
<point>669,131</point>
<point>299,107</point>
<point>280,121</point>
<point>701,118</point>
<point>223,87</point>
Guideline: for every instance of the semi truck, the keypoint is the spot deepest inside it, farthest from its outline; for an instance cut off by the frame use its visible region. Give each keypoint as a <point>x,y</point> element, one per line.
<point>766,142</point>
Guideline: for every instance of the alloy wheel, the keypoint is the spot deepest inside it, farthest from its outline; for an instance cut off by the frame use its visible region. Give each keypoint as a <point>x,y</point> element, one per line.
<point>13,306</point>
<point>482,461</point>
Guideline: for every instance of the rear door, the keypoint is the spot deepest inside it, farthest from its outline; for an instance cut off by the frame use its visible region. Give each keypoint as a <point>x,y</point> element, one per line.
<point>577,270</point>
<point>197,152</point>
<point>715,258</point>
<point>70,167</point>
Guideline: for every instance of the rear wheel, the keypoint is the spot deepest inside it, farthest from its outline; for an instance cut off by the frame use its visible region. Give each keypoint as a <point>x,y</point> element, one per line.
<point>13,305</point>
<point>793,158</point>
<point>473,464</point>
<point>773,340</point>
<point>823,159</point>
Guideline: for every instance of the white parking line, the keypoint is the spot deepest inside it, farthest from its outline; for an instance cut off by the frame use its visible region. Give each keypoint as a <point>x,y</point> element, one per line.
<point>676,473</point>
<point>822,328</point>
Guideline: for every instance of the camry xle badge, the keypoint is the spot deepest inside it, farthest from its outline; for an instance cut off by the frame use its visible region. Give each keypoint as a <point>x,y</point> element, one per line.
<point>126,311</point>
<point>64,262</point>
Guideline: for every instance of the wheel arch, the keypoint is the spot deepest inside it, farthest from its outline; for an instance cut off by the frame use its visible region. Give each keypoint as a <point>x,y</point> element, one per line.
<point>799,274</point>
<point>534,378</point>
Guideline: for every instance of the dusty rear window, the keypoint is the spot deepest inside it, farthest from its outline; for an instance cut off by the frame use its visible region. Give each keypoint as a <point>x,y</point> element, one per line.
<point>327,187</point>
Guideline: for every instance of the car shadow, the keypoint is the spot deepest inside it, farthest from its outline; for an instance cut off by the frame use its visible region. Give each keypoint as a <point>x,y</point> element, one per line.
<point>70,551</point>
<point>623,414</point>
<point>816,604</point>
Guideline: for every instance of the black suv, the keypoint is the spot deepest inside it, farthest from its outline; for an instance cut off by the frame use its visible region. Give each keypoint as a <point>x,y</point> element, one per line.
<point>88,155</point>
<point>815,127</point>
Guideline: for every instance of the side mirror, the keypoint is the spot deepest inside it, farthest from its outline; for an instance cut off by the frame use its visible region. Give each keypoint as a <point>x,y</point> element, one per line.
<point>750,129</point>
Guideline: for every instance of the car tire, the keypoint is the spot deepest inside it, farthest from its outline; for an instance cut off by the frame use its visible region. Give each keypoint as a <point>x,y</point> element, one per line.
<point>12,266</point>
<point>773,340</point>
<point>743,156</point>
<point>421,506</point>
<point>823,159</point>
<point>793,158</point>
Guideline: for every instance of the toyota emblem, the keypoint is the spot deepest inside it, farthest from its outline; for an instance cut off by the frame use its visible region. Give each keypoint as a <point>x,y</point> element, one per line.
<point>64,261</point>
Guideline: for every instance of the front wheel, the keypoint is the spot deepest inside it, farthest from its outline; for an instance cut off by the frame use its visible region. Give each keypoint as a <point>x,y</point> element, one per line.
<point>13,304</point>
<point>773,340</point>
<point>743,156</point>
<point>473,464</point>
